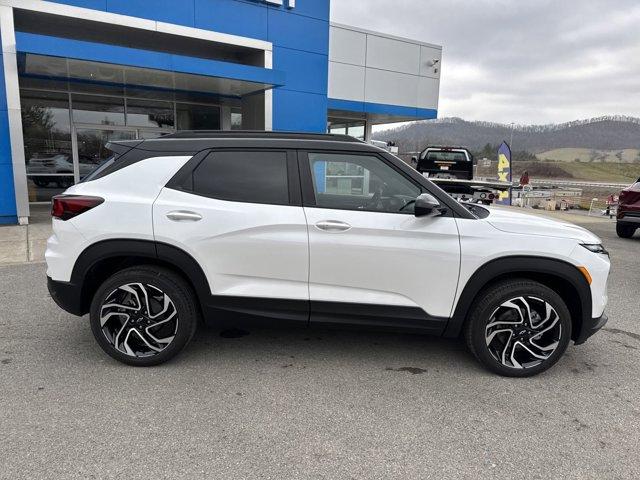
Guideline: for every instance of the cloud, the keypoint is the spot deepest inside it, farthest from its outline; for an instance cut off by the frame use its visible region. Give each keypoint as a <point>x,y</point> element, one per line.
<point>523,61</point>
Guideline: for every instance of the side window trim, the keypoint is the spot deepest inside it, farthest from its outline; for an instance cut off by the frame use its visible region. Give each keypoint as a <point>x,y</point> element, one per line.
<point>183,179</point>
<point>306,179</point>
<point>306,176</point>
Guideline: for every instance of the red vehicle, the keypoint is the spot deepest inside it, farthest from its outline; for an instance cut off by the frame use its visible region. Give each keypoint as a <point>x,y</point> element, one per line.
<point>628,218</point>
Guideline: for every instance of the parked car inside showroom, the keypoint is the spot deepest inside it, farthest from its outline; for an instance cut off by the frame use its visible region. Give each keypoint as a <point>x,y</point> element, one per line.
<point>313,230</point>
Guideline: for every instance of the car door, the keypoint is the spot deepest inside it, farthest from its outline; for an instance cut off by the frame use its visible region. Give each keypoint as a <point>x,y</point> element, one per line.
<point>238,213</point>
<point>371,259</point>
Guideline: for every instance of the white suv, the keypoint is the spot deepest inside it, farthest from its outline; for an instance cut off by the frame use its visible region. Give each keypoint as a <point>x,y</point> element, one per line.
<point>312,230</point>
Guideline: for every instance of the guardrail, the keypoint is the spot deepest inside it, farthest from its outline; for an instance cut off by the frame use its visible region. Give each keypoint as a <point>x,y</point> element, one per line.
<point>574,183</point>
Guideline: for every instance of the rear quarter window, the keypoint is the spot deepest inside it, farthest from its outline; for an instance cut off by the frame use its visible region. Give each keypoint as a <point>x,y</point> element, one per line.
<point>243,176</point>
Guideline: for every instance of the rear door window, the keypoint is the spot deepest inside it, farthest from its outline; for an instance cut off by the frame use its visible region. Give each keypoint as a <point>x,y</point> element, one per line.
<point>243,176</point>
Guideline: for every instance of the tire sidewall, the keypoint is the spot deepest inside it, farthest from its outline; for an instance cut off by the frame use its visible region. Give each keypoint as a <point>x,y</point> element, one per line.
<point>171,285</point>
<point>493,298</point>
<point>625,231</point>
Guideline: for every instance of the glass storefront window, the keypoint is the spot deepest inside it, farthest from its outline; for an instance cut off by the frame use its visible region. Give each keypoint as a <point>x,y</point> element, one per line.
<point>149,113</point>
<point>357,131</point>
<point>236,120</point>
<point>92,149</point>
<point>355,128</point>
<point>338,129</point>
<point>47,143</point>
<point>97,110</point>
<point>72,108</point>
<point>198,117</point>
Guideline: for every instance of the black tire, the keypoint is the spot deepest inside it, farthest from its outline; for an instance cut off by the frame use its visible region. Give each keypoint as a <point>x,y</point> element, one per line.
<point>490,301</point>
<point>156,281</point>
<point>625,231</point>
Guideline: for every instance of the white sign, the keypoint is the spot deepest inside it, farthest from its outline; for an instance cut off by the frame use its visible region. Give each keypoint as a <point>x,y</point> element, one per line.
<point>290,3</point>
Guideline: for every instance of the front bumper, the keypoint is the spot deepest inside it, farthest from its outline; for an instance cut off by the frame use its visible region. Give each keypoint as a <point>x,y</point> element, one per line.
<point>67,296</point>
<point>589,327</point>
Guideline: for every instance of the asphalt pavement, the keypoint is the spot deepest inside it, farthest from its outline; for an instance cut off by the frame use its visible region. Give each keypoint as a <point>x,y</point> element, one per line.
<point>313,403</point>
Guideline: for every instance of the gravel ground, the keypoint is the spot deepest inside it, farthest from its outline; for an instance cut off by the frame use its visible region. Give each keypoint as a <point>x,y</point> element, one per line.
<point>313,403</point>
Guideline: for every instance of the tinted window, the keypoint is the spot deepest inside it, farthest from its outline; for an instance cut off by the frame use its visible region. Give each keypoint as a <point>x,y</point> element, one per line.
<point>443,156</point>
<point>360,182</point>
<point>253,177</point>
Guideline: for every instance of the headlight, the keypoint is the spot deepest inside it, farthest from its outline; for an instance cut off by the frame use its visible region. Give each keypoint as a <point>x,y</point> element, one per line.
<point>595,248</point>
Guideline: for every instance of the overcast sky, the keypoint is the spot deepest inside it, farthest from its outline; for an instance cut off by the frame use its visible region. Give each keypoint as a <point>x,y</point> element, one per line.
<point>523,61</point>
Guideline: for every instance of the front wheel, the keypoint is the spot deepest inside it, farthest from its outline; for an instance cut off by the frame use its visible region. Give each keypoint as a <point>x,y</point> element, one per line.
<point>144,315</point>
<point>625,231</point>
<point>518,328</point>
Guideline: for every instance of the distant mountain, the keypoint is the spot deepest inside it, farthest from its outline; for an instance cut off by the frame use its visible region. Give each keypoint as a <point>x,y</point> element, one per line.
<point>602,133</point>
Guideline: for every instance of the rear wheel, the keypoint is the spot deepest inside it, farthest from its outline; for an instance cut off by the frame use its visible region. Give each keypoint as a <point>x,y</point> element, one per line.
<point>625,231</point>
<point>144,316</point>
<point>518,328</point>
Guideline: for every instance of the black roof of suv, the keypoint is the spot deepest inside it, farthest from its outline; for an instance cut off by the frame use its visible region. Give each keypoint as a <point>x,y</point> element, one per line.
<point>189,143</point>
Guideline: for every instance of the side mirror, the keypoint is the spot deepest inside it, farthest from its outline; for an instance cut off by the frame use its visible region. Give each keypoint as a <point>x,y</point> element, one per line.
<point>427,206</point>
<point>414,160</point>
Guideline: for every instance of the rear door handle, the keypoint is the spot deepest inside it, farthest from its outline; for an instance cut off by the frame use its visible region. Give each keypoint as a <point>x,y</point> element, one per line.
<point>333,226</point>
<point>184,216</point>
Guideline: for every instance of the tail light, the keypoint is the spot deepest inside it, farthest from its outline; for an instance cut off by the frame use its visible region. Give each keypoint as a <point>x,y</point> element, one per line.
<point>65,207</point>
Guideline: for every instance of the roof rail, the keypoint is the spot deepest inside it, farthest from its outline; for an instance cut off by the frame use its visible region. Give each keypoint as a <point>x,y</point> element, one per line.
<point>204,134</point>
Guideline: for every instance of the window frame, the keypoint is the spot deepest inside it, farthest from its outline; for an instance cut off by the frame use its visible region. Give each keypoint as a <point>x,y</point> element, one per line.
<point>308,190</point>
<point>183,179</point>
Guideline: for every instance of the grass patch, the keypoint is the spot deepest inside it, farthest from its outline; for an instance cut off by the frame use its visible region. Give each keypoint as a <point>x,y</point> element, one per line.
<point>596,172</point>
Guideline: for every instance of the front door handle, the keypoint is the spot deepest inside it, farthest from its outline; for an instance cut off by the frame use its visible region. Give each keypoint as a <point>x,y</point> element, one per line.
<point>184,216</point>
<point>333,226</point>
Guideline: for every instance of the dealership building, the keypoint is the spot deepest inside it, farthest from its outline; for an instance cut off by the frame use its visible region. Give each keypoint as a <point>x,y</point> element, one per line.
<point>79,73</point>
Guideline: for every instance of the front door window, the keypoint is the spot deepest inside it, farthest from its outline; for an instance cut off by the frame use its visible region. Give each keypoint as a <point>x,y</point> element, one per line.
<point>360,182</point>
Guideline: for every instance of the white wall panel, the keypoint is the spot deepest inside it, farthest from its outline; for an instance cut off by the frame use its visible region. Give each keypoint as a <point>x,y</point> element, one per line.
<point>391,88</point>
<point>347,46</point>
<point>427,57</point>
<point>346,81</point>
<point>393,55</point>
<point>372,67</point>
<point>428,92</point>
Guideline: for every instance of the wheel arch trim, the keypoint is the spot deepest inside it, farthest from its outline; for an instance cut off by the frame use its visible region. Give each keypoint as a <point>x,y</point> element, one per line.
<point>146,249</point>
<point>521,266</point>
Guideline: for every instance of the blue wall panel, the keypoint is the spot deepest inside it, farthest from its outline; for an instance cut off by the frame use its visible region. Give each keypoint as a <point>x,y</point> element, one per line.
<point>311,8</point>
<point>305,71</point>
<point>382,109</point>
<point>5,143</point>
<point>247,19</point>
<point>299,112</point>
<point>287,29</point>
<point>7,192</point>
<point>171,11</point>
<point>92,4</point>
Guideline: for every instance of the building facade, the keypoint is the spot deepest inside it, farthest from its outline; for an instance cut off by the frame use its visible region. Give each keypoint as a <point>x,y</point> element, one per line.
<point>79,73</point>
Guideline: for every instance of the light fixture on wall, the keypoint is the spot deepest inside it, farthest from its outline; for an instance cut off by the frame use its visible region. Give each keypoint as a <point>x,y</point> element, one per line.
<point>434,64</point>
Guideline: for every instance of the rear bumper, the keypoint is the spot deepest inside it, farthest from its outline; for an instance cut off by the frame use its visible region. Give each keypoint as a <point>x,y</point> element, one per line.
<point>631,217</point>
<point>589,327</point>
<point>67,296</point>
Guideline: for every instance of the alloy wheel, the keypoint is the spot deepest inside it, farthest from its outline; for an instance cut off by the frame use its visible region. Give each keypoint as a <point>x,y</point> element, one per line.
<point>523,332</point>
<point>138,320</point>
